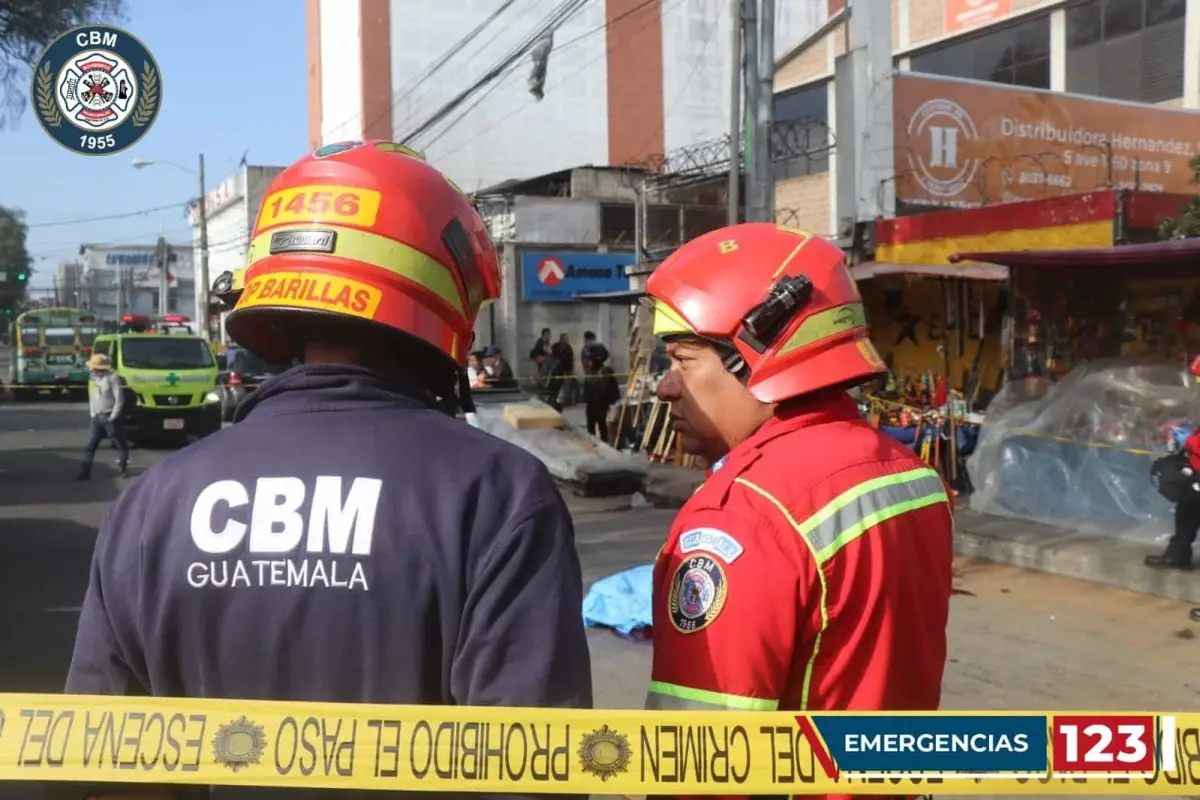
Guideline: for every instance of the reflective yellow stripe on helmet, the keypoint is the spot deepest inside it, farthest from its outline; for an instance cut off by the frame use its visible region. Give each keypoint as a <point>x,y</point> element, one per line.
<point>668,322</point>
<point>376,251</point>
<point>823,324</point>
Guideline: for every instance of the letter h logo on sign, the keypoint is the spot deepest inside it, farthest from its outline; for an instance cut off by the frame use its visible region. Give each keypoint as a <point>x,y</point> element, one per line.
<point>943,146</point>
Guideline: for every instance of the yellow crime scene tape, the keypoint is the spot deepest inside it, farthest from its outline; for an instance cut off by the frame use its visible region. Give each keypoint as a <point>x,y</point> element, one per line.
<point>103,740</point>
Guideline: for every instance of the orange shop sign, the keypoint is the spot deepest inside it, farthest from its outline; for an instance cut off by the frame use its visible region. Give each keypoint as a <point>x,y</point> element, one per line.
<point>962,15</point>
<point>967,143</point>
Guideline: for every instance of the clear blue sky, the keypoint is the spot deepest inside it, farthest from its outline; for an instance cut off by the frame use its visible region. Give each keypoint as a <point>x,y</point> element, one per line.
<point>234,80</point>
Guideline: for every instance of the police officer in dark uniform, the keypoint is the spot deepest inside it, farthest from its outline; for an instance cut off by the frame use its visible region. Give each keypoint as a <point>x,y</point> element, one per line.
<point>348,540</point>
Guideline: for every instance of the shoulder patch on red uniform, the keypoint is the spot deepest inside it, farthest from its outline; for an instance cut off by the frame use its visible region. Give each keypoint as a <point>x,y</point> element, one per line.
<point>711,540</point>
<point>698,592</point>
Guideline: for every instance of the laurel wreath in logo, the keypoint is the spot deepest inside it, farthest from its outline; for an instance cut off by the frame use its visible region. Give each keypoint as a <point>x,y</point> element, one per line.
<point>143,115</point>
<point>46,106</point>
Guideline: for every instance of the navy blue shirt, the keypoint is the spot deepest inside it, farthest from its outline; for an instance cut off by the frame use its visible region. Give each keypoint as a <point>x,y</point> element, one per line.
<point>343,542</point>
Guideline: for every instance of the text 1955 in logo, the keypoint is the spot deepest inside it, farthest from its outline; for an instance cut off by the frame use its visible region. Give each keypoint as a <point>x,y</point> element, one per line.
<point>96,90</point>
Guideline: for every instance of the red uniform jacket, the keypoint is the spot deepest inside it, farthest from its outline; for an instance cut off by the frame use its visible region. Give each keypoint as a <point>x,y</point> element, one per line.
<point>1191,446</point>
<point>811,571</point>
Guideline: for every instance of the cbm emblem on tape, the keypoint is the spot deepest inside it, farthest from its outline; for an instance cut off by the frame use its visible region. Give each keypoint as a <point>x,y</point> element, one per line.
<point>96,90</point>
<point>303,242</point>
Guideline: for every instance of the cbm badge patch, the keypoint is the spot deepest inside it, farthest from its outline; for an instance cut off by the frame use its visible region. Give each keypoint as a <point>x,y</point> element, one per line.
<point>698,592</point>
<point>96,90</point>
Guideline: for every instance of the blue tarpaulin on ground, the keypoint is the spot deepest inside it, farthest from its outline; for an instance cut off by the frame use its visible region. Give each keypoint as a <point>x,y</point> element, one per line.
<point>620,602</point>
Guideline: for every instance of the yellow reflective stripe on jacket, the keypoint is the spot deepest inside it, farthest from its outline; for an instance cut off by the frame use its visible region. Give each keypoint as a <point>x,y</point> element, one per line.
<point>671,697</point>
<point>872,502</point>
<point>847,517</point>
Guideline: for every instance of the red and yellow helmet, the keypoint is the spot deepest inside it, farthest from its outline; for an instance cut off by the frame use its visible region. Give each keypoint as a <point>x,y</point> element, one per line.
<point>779,301</point>
<point>365,232</point>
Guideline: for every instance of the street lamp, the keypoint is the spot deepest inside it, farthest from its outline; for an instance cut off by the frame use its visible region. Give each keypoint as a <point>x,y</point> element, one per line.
<point>202,270</point>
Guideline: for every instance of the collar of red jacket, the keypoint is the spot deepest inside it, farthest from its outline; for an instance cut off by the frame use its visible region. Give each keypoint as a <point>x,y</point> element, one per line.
<point>819,410</point>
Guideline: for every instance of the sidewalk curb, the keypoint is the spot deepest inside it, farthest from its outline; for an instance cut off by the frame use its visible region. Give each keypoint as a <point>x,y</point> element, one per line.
<point>1004,540</point>
<point>1083,556</point>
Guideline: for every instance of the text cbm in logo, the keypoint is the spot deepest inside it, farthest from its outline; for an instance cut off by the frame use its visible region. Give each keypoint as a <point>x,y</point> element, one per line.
<point>939,132</point>
<point>96,90</point>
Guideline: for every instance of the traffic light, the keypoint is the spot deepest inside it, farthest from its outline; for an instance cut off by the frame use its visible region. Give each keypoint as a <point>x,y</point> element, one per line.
<point>20,276</point>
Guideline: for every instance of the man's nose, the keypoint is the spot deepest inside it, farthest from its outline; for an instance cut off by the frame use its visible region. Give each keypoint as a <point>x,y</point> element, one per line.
<point>668,388</point>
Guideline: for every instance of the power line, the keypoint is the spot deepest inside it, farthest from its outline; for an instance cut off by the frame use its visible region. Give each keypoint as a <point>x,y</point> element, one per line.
<point>557,17</point>
<point>683,89</point>
<point>521,108</point>
<point>106,218</point>
<point>441,61</point>
<point>513,67</point>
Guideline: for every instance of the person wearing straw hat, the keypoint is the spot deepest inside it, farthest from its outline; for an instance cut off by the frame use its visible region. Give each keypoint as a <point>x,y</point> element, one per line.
<point>105,401</point>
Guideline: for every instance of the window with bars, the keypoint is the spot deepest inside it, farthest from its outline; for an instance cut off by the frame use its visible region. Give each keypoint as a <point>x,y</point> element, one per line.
<point>800,141</point>
<point>1126,49</point>
<point>617,223</point>
<point>1017,54</point>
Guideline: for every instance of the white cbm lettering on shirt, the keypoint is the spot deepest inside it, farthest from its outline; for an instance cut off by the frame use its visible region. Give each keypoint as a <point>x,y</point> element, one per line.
<point>337,524</point>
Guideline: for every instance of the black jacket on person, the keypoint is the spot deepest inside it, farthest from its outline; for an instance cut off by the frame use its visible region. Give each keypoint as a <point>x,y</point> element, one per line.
<point>343,542</point>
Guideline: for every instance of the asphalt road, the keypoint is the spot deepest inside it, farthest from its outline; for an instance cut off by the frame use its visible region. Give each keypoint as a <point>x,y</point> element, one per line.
<point>1017,639</point>
<point>48,524</point>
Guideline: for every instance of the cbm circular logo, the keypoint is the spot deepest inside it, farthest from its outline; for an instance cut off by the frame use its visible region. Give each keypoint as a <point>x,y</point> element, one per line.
<point>96,90</point>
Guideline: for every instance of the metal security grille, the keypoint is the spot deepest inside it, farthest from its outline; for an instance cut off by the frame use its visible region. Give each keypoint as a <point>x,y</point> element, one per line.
<point>172,399</point>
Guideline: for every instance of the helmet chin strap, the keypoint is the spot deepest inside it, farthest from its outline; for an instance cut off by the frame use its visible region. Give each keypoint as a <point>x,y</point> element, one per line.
<point>733,362</point>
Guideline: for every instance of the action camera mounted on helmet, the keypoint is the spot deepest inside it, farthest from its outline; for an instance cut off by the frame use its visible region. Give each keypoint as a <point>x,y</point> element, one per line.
<point>763,323</point>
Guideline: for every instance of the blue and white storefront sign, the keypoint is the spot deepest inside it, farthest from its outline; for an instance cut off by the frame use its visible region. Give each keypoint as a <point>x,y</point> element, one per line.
<point>549,277</point>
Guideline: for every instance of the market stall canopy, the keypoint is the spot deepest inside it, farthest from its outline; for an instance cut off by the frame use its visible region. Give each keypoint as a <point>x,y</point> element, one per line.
<point>1177,253</point>
<point>970,272</point>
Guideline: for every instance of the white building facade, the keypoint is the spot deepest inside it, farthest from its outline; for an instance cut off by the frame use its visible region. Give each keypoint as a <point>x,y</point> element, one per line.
<point>627,80</point>
<point>119,279</point>
<point>230,208</point>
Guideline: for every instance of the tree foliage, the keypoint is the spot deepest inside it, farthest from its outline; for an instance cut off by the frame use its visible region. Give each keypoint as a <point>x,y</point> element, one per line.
<point>1188,224</point>
<point>14,257</point>
<point>26,27</point>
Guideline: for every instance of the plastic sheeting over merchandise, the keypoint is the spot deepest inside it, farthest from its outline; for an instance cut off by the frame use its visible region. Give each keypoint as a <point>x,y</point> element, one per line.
<point>1078,456</point>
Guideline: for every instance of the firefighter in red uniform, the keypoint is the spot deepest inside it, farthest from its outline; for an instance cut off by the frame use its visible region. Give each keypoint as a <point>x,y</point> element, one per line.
<point>812,570</point>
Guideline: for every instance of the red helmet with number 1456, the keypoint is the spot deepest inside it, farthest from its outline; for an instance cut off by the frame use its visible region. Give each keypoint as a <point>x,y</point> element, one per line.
<point>779,302</point>
<point>365,233</point>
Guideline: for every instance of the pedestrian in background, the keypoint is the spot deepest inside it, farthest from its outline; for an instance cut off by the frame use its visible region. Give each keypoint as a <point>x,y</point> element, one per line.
<point>499,371</point>
<point>541,349</point>
<point>600,391</point>
<point>568,387</point>
<point>105,401</point>
<point>593,350</point>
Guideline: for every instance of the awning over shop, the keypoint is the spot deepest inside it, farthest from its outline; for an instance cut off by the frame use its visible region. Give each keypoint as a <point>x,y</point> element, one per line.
<point>1179,253</point>
<point>970,272</point>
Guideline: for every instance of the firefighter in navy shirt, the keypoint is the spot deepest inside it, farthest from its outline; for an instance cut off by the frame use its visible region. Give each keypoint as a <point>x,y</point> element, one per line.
<point>347,540</point>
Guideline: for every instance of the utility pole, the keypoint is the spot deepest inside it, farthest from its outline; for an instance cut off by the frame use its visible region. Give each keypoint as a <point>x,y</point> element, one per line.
<point>201,271</point>
<point>162,257</point>
<point>765,115</point>
<point>120,284</point>
<point>735,113</point>
<point>754,212</point>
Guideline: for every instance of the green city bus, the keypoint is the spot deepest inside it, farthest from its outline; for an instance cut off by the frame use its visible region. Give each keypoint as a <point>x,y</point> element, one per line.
<point>50,350</point>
